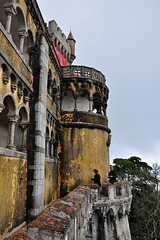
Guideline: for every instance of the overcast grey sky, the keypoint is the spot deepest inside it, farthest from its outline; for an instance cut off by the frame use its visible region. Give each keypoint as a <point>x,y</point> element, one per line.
<point>121,38</point>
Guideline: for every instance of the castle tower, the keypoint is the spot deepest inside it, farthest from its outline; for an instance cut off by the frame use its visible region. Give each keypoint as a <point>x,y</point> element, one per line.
<point>85,136</point>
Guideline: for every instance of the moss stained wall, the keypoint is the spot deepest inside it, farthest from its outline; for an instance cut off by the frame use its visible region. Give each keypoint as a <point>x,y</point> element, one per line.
<point>13,189</point>
<point>82,150</point>
<point>50,182</point>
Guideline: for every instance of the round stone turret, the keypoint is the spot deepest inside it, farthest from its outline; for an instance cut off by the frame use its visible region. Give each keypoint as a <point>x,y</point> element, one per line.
<point>85,136</point>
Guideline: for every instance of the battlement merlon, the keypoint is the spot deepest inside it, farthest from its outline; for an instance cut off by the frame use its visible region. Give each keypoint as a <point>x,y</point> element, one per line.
<point>65,45</point>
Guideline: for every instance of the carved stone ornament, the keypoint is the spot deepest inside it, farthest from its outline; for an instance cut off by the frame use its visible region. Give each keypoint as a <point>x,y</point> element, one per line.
<point>25,99</point>
<point>5,78</point>
<point>20,93</point>
<point>10,9</point>
<point>13,87</point>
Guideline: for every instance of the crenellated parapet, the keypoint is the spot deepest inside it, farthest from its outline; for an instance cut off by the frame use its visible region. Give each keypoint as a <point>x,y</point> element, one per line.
<point>65,47</point>
<point>84,214</point>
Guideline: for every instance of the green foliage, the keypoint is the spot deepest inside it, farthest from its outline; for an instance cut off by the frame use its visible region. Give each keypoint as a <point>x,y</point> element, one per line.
<point>145,211</point>
<point>131,167</point>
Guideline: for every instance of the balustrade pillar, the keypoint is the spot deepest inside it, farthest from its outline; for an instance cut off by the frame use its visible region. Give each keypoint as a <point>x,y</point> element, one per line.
<point>24,137</point>
<point>10,11</point>
<point>11,134</point>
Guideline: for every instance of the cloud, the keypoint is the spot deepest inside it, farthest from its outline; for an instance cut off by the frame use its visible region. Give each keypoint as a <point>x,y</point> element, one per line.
<point>150,156</point>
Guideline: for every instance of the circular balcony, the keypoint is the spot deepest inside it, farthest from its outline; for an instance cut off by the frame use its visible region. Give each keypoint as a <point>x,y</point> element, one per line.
<point>84,73</point>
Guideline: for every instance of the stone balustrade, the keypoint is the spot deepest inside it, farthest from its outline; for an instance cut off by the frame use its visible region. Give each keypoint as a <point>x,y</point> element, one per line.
<point>116,190</point>
<point>77,215</point>
<point>83,72</point>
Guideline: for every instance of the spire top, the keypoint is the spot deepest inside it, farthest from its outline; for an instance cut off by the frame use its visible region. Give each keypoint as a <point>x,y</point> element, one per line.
<point>70,36</point>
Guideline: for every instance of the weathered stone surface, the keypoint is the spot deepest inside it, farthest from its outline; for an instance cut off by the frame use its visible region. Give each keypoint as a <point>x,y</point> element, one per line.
<point>84,213</point>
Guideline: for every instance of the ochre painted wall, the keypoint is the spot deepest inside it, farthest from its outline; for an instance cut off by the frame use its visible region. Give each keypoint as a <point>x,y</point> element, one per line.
<point>82,150</point>
<point>13,188</point>
<point>50,182</point>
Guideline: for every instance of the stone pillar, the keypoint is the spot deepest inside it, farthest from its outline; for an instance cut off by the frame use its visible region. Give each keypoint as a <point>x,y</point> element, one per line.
<point>52,148</point>
<point>75,98</point>
<point>111,192</point>
<point>22,35</point>
<point>37,165</point>
<point>47,147</point>
<point>104,109</point>
<point>10,11</point>
<point>90,104</point>
<point>24,137</point>
<point>12,123</point>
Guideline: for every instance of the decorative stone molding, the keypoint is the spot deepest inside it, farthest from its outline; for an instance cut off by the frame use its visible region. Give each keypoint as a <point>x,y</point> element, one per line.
<point>26,99</point>
<point>5,78</point>
<point>13,87</point>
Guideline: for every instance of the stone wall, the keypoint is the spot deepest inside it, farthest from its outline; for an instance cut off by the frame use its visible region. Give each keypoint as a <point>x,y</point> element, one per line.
<point>84,214</point>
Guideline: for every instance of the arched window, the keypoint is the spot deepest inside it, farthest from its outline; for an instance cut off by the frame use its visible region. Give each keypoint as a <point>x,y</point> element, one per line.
<point>83,100</point>
<point>28,44</point>
<point>111,224</point>
<point>18,28</point>
<point>20,138</point>
<point>7,123</point>
<point>97,227</point>
<point>120,213</point>
<point>68,102</point>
